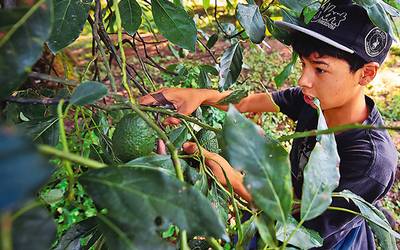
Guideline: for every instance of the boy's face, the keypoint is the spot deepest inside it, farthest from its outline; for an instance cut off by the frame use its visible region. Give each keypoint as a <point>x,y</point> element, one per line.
<point>330,80</point>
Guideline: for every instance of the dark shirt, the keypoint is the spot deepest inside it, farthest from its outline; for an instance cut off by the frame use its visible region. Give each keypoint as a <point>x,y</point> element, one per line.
<point>368,160</point>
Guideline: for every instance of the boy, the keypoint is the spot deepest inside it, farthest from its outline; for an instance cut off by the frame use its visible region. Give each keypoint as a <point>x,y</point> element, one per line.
<point>341,51</point>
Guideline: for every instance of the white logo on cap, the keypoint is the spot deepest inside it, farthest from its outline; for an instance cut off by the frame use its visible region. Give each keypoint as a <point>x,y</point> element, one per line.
<point>328,17</point>
<point>375,42</point>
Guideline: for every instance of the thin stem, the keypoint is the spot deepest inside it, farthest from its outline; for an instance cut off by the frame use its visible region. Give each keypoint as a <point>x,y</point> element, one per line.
<point>63,138</point>
<point>214,243</point>
<point>5,231</point>
<point>343,210</point>
<point>208,50</point>
<point>340,128</point>
<point>37,75</point>
<point>48,150</point>
<point>25,209</point>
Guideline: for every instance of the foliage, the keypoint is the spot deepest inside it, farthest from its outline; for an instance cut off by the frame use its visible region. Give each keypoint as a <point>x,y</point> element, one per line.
<point>156,201</point>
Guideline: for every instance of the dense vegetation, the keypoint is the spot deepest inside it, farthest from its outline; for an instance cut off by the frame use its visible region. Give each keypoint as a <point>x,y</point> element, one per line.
<point>82,165</point>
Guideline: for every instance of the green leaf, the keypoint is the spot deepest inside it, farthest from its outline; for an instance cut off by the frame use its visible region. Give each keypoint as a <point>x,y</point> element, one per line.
<point>142,203</point>
<point>157,161</point>
<point>219,201</point>
<point>303,238</point>
<point>230,66</point>
<point>279,79</point>
<point>249,230</point>
<point>296,6</point>
<point>375,218</point>
<point>52,196</point>
<point>264,161</point>
<point>41,131</point>
<point>69,18</point>
<point>71,239</point>
<point>377,14</point>
<point>212,40</point>
<point>19,180</point>
<point>175,24</point>
<point>204,80</point>
<point>22,46</point>
<point>178,136</point>
<point>206,4</point>
<point>88,92</point>
<point>235,97</point>
<point>131,15</point>
<point>321,173</point>
<point>251,20</point>
<point>34,230</point>
<point>266,229</point>
<point>209,69</point>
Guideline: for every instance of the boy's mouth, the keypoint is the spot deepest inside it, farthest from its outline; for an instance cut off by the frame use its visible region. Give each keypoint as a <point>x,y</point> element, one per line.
<point>308,99</point>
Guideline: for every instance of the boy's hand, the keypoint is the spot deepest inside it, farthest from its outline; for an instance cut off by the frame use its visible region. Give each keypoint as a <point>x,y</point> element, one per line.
<point>184,100</point>
<point>218,164</point>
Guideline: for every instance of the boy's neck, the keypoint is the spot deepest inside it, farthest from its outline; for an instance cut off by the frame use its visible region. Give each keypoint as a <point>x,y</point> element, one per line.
<point>355,111</point>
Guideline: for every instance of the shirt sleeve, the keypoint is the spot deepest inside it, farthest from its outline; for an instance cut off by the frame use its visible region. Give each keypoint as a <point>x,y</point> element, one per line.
<point>290,101</point>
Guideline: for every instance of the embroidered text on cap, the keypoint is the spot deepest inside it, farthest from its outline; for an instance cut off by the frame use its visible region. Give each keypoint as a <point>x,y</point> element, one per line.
<point>328,17</point>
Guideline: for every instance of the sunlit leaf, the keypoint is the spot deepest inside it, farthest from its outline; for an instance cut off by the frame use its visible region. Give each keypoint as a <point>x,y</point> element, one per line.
<point>279,79</point>
<point>303,238</point>
<point>251,20</point>
<point>321,173</point>
<point>22,46</point>
<point>19,180</point>
<point>34,230</point>
<point>230,66</point>
<point>88,92</point>
<point>175,24</point>
<point>264,161</point>
<point>141,203</point>
<point>69,19</point>
<point>131,15</point>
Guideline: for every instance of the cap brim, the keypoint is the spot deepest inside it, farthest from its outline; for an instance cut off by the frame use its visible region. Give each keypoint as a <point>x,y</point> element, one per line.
<point>291,27</point>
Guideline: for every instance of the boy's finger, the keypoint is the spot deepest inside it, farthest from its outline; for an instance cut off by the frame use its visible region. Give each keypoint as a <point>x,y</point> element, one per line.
<point>171,121</point>
<point>189,147</point>
<point>147,100</point>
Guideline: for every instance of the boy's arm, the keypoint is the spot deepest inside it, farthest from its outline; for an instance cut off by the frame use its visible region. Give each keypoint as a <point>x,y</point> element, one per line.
<point>187,100</point>
<point>218,166</point>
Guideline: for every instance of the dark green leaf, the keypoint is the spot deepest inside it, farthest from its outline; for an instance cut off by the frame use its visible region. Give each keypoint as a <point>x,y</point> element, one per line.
<point>249,230</point>
<point>219,201</point>
<point>69,19</point>
<point>266,229</point>
<point>310,11</point>
<point>19,180</point>
<point>278,33</point>
<point>303,238</point>
<point>251,20</point>
<point>8,17</point>
<point>264,161</point>
<point>321,173</point>
<point>141,203</point>
<point>212,40</point>
<point>209,69</point>
<point>22,46</point>
<point>158,161</point>
<point>178,136</point>
<point>131,15</point>
<point>175,24</point>
<point>296,6</point>
<point>235,97</point>
<point>279,79</point>
<point>88,92</point>
<point>377,14</point>
<point>230,66</point>
<point>41,131</point>
<point>376,219</point>
<point>71,239</point>
<point>34,230</point>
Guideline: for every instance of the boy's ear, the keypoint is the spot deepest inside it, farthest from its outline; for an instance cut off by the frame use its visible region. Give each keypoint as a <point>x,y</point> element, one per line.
<point>368,73</point>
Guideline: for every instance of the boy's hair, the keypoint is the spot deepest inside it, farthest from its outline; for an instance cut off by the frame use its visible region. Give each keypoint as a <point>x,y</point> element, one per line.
<point>305,45</point>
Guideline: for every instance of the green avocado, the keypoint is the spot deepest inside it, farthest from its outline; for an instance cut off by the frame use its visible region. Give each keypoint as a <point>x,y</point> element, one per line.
<point>208,139</point>
<point>133,138</point>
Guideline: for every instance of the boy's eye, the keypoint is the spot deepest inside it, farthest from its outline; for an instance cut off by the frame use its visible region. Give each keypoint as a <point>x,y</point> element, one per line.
<point>319,70</point>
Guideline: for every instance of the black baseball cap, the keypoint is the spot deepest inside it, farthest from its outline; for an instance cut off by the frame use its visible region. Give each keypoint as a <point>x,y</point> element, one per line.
<point>346,26</point>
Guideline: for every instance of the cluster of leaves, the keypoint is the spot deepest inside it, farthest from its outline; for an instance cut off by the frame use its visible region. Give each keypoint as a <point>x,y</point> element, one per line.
<point>140,203</point>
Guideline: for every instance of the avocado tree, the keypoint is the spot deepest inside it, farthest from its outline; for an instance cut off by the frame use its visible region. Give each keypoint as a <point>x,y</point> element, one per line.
<point>74,134</point>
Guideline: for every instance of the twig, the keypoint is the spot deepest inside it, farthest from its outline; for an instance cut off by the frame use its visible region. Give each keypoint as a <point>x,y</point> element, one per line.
<point>41,76</point>
<point>208,50</point>
<point>32,101</point>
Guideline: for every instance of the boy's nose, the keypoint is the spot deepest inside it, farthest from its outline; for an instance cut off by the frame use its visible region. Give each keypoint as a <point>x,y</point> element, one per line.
<point>304,81</point>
